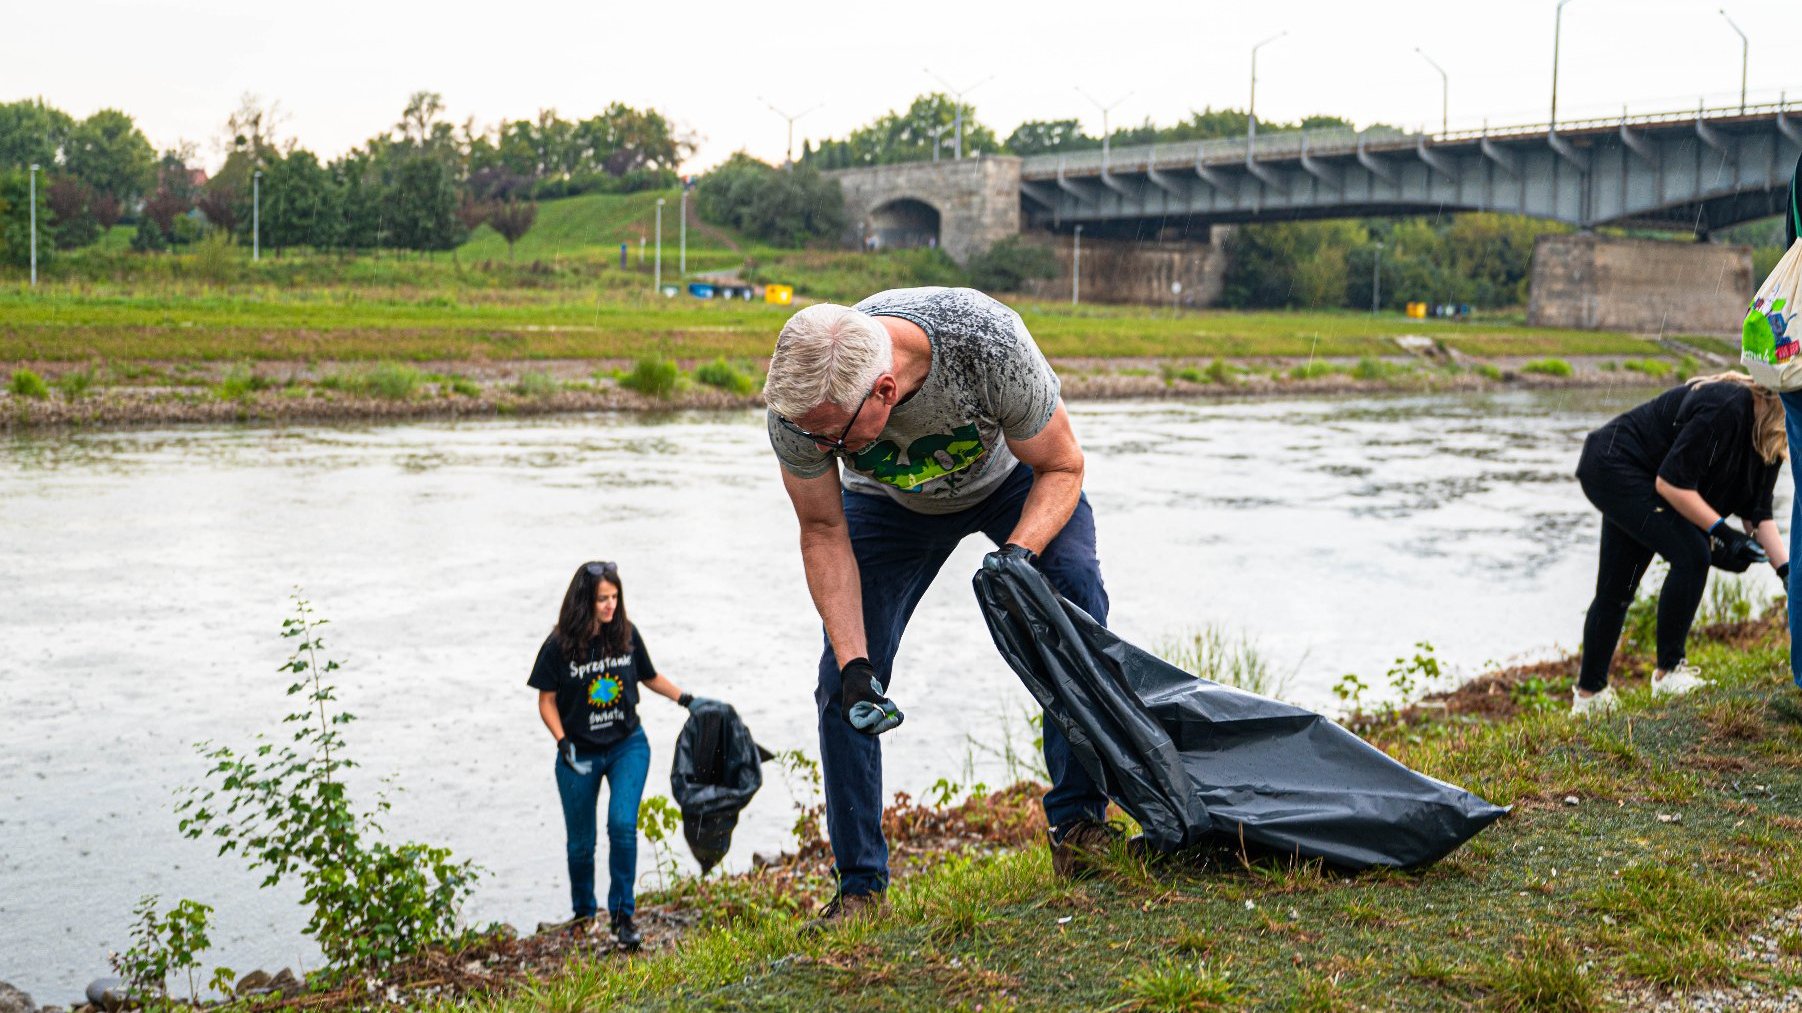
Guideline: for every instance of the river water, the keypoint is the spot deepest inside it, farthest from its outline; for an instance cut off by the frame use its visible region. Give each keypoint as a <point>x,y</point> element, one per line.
<point>146,574</point>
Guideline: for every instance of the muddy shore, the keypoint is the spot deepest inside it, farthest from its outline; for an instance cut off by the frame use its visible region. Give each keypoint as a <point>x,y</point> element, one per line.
<point>165,394</point>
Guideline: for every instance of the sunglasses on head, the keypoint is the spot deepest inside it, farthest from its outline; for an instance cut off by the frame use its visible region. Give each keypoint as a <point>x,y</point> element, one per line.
<point>835,446</point>
<point>600,569</point>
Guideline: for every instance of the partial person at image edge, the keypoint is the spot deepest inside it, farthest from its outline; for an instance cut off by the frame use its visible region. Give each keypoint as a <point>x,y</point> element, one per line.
<point>587,676</point>
<point>1665,476</point>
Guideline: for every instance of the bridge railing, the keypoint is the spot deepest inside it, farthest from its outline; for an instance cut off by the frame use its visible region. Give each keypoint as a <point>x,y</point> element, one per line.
<point>1138,158</point>
<point>1343,140</point>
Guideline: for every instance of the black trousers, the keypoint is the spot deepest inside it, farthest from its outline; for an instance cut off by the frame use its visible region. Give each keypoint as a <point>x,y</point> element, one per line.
<point>1636,525</point>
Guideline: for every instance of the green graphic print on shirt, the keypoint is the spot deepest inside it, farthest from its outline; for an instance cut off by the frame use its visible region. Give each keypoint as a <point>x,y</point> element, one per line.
<point>928,458</point>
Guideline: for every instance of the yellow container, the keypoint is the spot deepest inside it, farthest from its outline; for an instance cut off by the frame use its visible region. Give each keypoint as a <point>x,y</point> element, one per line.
<point>1417,310</point>
<point>781,295</point>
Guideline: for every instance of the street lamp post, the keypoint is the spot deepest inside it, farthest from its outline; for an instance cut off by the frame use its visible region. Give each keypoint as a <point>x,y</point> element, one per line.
<point>256,215</point>
<point>1445,89</point>
<point>957,99</point>
<point>789,151</point>
<point>936,133</point>
<point>1745,48</point>
<point>34,223</point>
<point>657,269</point>
<point>1557,37</point>
<point>1251,119</point>
<point>682,232</point>
<point>1105,109</point>
<point>1076,269</point>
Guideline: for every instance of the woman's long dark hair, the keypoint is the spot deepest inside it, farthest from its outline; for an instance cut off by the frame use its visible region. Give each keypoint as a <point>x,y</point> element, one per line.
<point>578,625</point>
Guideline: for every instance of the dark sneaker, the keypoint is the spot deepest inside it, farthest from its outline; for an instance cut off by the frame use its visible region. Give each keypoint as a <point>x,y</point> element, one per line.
<point>843,908</point>
<point>1080,849</point>
<point>626,933</point>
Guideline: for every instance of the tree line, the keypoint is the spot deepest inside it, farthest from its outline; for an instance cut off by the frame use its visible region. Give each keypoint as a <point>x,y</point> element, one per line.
<point>422,185</point>
<point>909,135</point>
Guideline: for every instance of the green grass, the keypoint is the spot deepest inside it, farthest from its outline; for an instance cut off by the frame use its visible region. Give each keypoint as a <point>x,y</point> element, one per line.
<point>594,226</point>
<point>730,377</point>
<point>653,376</point>
<point>25,383</point>
<point>1556,907</point>
<point>1548,367</point>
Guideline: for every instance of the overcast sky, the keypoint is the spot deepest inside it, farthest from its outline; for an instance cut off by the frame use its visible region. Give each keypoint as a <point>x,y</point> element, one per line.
<point>342,70</point>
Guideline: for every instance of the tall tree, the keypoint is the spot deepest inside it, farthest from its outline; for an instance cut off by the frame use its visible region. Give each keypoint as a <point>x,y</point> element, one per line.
<point>512,220</point>
<point>108,152</point>
<point>422,205</point>
<point>1044,137</point>
<point>15,220</point>
<point>32,133</point>
<point>300,205</point>
<point>70,203</point>
<point>907,136</point>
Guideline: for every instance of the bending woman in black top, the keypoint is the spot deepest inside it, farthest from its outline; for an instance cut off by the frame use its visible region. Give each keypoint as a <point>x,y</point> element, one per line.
<point>587,676</point>
<point>1663,475</point>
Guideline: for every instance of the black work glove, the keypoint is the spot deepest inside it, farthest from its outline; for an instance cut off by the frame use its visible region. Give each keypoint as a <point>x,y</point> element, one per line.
<point>861,700</point>
<point>689,700</point>
<point>1014,550</point>
<point>1731,549</point>
<point>1783,573</point>
<point>566,755</point>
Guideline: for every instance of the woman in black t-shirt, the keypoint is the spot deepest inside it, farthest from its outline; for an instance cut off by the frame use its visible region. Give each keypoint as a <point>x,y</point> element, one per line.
<point>1664,475</point>
<point>587,676</point>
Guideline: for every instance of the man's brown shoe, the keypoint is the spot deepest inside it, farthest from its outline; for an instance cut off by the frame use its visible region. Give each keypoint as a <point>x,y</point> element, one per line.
<point>843,908</point>
<point>1078,850</point>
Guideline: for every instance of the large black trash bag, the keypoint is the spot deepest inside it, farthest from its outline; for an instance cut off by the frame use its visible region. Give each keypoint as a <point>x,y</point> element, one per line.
<point>1196,762</point>
<point>718,767</point>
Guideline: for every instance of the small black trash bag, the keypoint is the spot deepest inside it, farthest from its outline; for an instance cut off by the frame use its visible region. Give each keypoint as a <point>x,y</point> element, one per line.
<point>1196,762</point>
<point>718,767</point>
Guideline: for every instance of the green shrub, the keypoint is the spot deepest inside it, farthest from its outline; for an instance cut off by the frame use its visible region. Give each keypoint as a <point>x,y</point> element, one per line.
<point>1219,372</point>
<point>1547,367</point>
<point>726,376</point>
<point>284,806</point>
<point>536,385</point>
<point>1009,264</point>
<point>652,376</point>
<point>392,380</point>
<point>239,383</point>
<point>1372,368</point>
<point>1488,371</point>
<point>463,386</point>
<point>168,944</point>
<point>75,383</point>
<point>1312,370</point>
<point>25,383</point>
<point>1650,367</point>
<point>1187,374</point>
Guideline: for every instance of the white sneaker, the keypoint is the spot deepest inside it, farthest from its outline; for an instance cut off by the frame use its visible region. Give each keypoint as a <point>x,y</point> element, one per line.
<point>1683,679</point>
<point>1600,702</point>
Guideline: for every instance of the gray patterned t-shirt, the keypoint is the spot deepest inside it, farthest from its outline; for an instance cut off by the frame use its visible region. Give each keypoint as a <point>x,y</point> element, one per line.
<point>944,448</point>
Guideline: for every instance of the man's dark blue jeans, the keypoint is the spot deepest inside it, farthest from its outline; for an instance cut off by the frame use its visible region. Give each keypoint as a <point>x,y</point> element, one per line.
<point>899,552</point>
<point>624,765</point>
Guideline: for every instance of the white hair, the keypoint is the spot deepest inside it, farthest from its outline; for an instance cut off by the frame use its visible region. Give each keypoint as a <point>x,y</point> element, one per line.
<point>826,354</point>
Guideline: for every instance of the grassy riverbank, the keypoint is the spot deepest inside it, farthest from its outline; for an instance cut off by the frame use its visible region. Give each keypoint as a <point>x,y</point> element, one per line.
<point>1652,861</point>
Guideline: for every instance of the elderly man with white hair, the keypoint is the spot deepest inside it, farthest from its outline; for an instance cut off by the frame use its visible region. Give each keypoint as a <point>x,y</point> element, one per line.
<point>903,424</point>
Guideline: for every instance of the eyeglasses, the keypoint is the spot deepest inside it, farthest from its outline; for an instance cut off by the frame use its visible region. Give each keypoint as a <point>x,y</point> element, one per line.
<point>600,569</point>
<point>836,446</point>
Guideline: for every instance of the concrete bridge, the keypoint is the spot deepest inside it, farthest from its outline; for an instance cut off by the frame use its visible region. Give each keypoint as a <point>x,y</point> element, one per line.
<point>1691,171</point>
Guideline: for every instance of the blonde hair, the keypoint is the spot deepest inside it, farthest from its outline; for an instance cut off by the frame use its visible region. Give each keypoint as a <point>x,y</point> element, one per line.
<point>826,353</point>
<point>1767,414</point>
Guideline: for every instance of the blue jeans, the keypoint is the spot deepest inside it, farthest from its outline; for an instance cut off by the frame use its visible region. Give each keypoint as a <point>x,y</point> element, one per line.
<point>1792,424</point>
<point>899,552</point>
<point>625,765</point>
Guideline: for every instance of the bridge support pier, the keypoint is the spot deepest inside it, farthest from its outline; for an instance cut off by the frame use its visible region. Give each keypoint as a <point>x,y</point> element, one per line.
<point>1592,282</point>
<point>1137,271</point>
